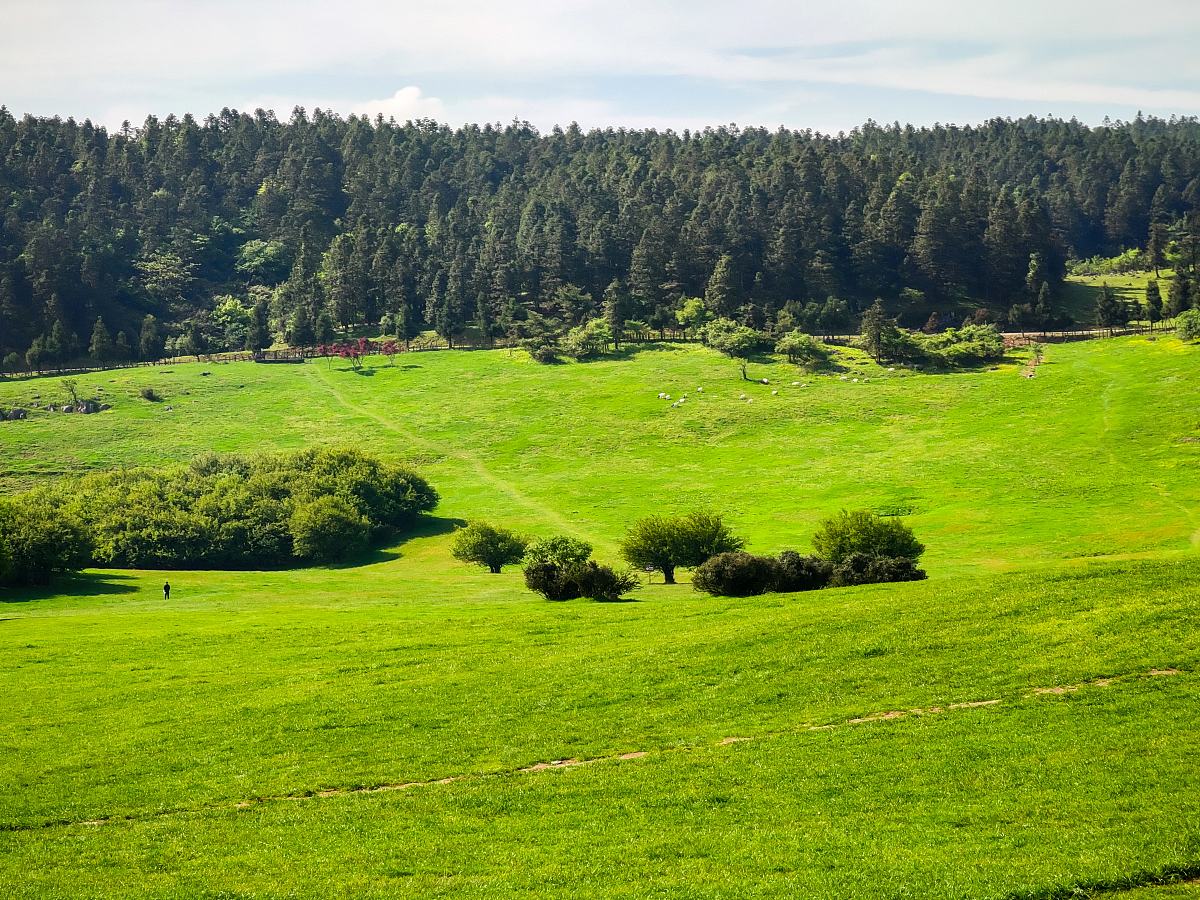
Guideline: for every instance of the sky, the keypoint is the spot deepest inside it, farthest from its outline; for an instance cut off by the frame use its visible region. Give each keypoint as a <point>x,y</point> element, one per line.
<point>677,64</point>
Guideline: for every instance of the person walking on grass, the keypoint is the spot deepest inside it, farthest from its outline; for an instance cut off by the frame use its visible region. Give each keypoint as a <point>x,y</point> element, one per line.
<point>166,590</point>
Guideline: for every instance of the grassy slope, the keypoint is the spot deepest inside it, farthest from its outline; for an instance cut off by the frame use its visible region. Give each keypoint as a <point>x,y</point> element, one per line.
<point>1080,292</point>
<point>999,470</point>
<point>413,668</point>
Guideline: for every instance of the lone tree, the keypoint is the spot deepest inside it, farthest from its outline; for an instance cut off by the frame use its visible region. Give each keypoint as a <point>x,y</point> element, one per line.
<point>666,543</point>
<point>1110,312</point>
<point>875,325</point>
<point>489,546</point>
<point>734,340</point>
<point>101,346</point>
<point>1154,304</point>
<point>863,532</point>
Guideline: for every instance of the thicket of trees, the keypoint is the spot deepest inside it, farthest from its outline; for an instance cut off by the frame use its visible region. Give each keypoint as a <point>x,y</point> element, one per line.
<point>853,548</point>
<point>196,235</point>
<point>226,511</point>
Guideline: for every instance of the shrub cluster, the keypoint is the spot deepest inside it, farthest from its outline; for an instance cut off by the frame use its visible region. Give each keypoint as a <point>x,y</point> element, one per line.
<point>1187,324</point>
<point>559,568</point>
<point>854,547</point>
<point>237,511</point>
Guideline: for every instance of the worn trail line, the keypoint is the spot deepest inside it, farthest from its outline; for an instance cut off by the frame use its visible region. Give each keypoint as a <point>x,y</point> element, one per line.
<point>572,763</point>
<point>471,460</point>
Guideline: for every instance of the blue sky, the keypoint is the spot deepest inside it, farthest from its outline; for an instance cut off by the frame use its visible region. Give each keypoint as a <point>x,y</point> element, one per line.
<point>827,66</point>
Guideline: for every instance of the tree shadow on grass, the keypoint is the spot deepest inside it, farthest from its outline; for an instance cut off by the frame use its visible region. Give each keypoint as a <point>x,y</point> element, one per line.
<point>82,584</point>
<point>424,526</point>
<point>620,600</point>
<point>629,351</point>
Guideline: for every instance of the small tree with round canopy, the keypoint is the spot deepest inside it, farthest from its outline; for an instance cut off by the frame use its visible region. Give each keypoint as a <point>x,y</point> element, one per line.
<point>488,545</point>
<point>666,543</point>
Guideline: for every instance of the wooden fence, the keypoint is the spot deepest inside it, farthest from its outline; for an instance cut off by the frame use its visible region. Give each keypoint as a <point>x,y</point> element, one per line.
<point>425,343</point>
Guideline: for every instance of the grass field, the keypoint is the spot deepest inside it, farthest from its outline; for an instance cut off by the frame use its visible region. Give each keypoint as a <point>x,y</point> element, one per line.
<point>1023,724</point>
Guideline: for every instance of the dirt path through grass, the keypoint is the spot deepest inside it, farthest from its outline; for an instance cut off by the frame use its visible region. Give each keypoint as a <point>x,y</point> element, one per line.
<point>469,459</point>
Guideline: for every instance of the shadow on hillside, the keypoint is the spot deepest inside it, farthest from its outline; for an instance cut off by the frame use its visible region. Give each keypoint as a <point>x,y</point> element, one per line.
<point>620,600</point>
<point>629,351</point>
<point>425,526</point>
<point>83,584</point>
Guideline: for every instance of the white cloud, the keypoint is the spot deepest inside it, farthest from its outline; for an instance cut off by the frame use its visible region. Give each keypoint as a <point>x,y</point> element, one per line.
<point>404,105</point>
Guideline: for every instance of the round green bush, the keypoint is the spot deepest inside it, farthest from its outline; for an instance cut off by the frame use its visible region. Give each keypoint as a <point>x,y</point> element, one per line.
<point>328,529</point>
<point>861,531</point>
<point>736,574</point>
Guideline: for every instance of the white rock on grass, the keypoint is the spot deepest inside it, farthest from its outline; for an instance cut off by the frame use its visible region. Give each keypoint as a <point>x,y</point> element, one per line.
<point>773,393</point>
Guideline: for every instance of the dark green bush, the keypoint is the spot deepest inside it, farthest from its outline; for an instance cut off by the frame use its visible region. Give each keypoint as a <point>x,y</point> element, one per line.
<point>802,573</point>
<point>736,574</point>
<point>579,579</point>
<point>599,582</point>
<point>551,581</point>
<point>863,568</point>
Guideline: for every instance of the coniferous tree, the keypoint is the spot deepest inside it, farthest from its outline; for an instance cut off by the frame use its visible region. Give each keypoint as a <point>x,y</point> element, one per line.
<point>150,340</point>
<point>1177,296</point>
<point>721,294</point>
<point>1154,304</point>
<point>101,346</point>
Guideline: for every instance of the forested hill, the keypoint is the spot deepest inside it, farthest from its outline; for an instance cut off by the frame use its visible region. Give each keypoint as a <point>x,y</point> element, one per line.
<point>232,228</point>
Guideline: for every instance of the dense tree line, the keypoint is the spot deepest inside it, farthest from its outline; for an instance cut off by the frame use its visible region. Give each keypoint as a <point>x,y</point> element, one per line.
<point>222,511</point>
<point>193,235</point>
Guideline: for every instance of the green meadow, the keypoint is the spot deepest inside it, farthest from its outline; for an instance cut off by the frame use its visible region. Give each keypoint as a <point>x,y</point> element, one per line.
<point>1024,724</point>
